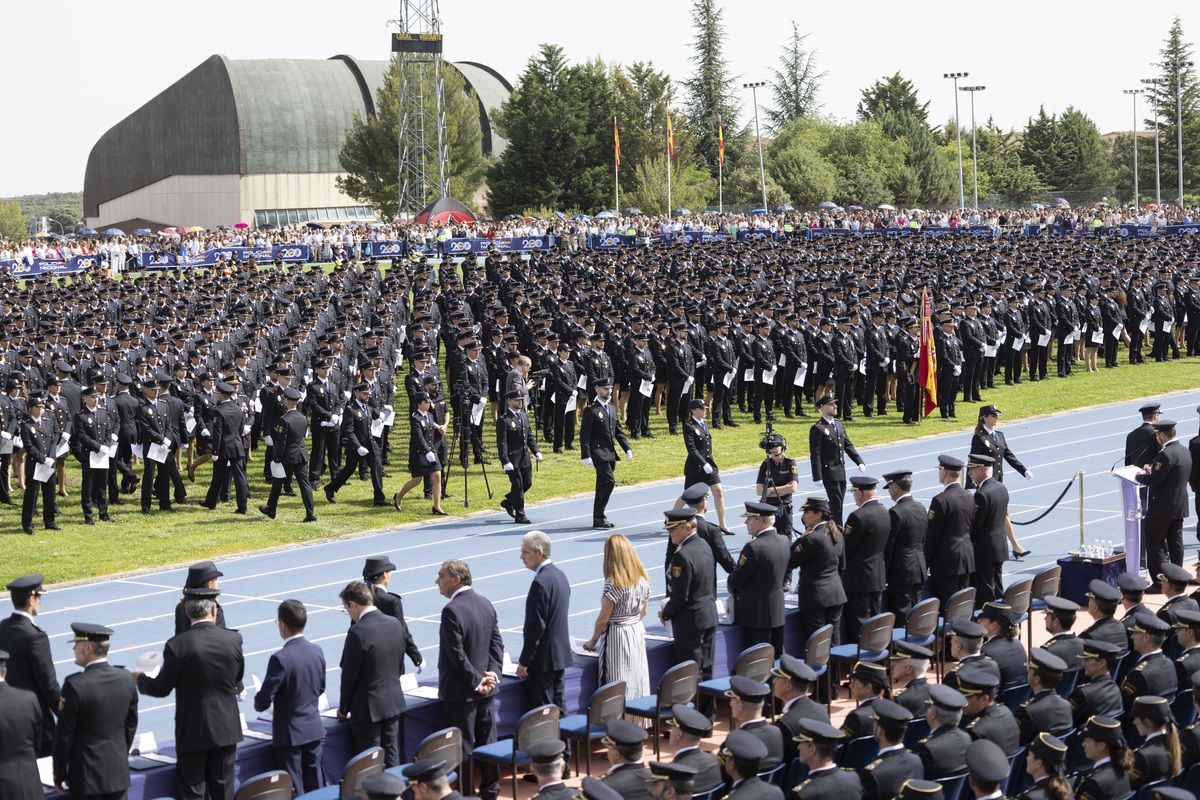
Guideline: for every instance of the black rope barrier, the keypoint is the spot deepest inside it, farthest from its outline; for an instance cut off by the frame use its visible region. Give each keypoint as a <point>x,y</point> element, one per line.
<point>1053,505</point>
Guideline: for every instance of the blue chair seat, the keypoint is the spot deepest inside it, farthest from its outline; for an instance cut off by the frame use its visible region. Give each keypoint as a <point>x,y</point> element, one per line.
<point>501,751</point>
<point>847,652</point>
<point>398,771</point>
<point>901,635</point>
<point>331,792</point>
<point>1037,605</point>
<point>647,705</point>
<point>577,725</point>
<point>715,686</point>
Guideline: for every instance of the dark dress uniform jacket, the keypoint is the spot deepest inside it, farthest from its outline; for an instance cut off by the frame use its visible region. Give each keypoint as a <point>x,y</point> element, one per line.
<point>803,707</point>
<point>995,724</point>
<point>514,440</point>
<point>1168,479</point>
<point>372,661</point>
<point>913,697</point>
<point>547,645</point>
<point>470,645</point>
<point>828,447</point>
<point>228,421</point>
<point>987,527</point>
<point>1108,629</point>
<point>599,434</point>
<point>1068,647</point>
<point>1140,445</point>
<point>712,535</point>
<point>757,582</point>
<point>1153,674</point>
<point>1103,783</point>
<point>772,739</point>
<point>204,666</point>
<point>392,605</point>
<point>860,721</point>
<point>21,732</point>
<point>698,441</point>
<point>997,448</point>
<point>948,549</point>
<point>631,780</point>
<point>866,536</point>
<point>833,783</point>
<point>294,682</point>
<point>1044,712</point>
<point>1010,655</point>
<point>883,777</point>
<point>691,604</point>
<point>1150,763</point>
<point>1100,696</point>
<point>97,720</point>
<point>290,432</point>
<point>708,768</point>
<point>30,666</point>
<point>820,561</point>
<point>977,661</point>
<point>904,553</point>
<point>943,752</point>
<point>1180,602</point>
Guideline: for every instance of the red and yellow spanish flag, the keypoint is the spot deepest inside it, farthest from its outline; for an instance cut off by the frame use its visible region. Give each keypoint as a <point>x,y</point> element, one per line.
<point>670,136</point>
<point>617,142</point>
<point>720,143</point>
<point>927,374</point>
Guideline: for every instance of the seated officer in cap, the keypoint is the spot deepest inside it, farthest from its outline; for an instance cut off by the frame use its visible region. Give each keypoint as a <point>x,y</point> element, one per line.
<point>383,786</point>
<point>1153,673</point>
<point>908,666</point>
<point>1096,694</point>
<point>97,720</point>
<point>30,666</point>
<point>756,584</point>
<point>595,789</point>
<point>1133,590</point>
<point>1045,711</point>
<point>1102,605</point>
<point>427,780</point>
<point>817,746</point>
<point>790,682</point>
<point>868,683</point>
<point>943,751</point>
<point>987,769</point>
<point>1060,619</point>
<point>671,781</point>
<point>1001,645</point>
<point>1104,744</point>
<point>20,730</point>
<point>746,698</point>
<point>625,745</point>
<point>546,763</point>
<point>914,789</point>
<point>866,535</point>
<point>983,717</point>
<point>686,728</point>
<point>965,644</point>
<point>1189,737</point>
<point>1187,632</point>
<point>893,764</point>
<point>1158,757</point>
<point>1174,581</point>
<point>1045,762</point>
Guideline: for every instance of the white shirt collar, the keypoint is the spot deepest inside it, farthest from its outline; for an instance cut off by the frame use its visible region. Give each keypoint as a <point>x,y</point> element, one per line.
<point>25,614</point>
<point>459,591</point>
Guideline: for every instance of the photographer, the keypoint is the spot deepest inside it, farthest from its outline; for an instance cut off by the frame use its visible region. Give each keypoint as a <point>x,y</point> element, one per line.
<point>777,480</point>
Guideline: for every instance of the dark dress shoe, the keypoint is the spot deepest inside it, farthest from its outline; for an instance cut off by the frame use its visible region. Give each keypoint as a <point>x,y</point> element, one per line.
<point>602,523</point>
<point>329,495</point>
<point>53,526</point>
<point>89,521</point>
<point>241,511</point>
<point>507,508</point>
<point>107,518</point>
<point>733,424</point>
<point>146,512</point>
<point>290,493</point>
<point>309,518</point>
<point>521,519</point>
<point>266,511</point>
<point>206,505</point>
<point>28,531</point>
<point>570,446</point>
<point>439,512</point>
<point>381,503</point>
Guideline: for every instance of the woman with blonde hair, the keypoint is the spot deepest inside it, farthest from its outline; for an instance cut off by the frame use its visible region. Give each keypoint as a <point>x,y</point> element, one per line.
<point>619,637</point>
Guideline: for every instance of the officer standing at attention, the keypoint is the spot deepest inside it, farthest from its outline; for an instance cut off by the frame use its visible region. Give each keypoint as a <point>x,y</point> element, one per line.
<point>865,574</point>
<point>30,666</point>
<point>691,601</point>
<point>904,553</point>
<point>948,549</point>
<point>97,720</point>
<point>828,446</point>
<point>599,435</point>
<point>756,584</point>
<point>39,436</point>
<point>1167,503</point>
<point>987,529</point>
<point>514,442</point>
<point>289,433</point>
<point>1141,444</point>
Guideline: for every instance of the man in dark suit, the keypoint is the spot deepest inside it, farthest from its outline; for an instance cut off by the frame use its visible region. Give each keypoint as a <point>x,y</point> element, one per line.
<point>289,433</point>
<point>828,446</point>
<point>372,661</point>
<point>866,537</point>
<point>39,436</point>
<point>686,728</point>
<point>987,529</point>
<point>691,602</point>
<point>546,652</point>
<point>359,446</point>
<point>904,553</point>
<point>21,732</point>
<point>204,667</point>
<point>514,442</point>
<point>599,435</point>
<point>293,684</point>
<point>471,654</point>
<point>30,666</point>
<point>756,583</point>
<point>97,720</point>
<point>1167,503</point>
<point>229,451</point>
<point>153,422</point>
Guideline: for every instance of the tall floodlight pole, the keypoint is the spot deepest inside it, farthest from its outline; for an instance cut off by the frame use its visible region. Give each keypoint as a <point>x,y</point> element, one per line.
<point>423,169</point>
<point>1135,93</point>
<point>974,156</point>
<point>1176,66</point>
<point>762,172</point>
<point>1157,169</point>
<point>958,129</point>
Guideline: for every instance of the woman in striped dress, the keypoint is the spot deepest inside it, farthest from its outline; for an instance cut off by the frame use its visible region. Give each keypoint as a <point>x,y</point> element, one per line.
<point>619,637</point>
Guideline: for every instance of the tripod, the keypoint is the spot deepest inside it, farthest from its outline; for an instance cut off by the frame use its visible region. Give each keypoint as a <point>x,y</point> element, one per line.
<point>461,420</point>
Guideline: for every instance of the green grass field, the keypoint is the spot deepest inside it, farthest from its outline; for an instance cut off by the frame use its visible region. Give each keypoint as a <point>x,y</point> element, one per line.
<point>137,542</point>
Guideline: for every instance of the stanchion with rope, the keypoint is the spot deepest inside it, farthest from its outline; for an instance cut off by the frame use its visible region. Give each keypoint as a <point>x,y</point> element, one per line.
<point>1067,488</point>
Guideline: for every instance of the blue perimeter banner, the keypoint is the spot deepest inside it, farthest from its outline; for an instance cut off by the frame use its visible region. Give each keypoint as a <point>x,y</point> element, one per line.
<point>814,233</point>
<point>19,269</point>
<point>263,255</point>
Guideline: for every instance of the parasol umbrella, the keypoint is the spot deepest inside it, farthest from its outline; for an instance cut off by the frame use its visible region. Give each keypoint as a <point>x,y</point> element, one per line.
<point>1151,205</point>
<point>114,232</point>
<point>511,217</point>
<point>242,225</point>
<point>632,211</point>
<point>442,217</point>
<point>560,215</point>
<point>166,231</point>
<point>827,204</point>
<point>605,215</point>
<point>443,210</point>
<point>758,211</point>
<point>584,217</point>
<point>142,232</point>
<point>197,229</point>
<point>886,207</point>
<point>681,212</point>
<point>315,226</point>
<point>1038,206</point>
<point>485,218</point>
<point>782,209</point>
<point>855,208</point>
<point>86,232</point>
<point>1062,201</point>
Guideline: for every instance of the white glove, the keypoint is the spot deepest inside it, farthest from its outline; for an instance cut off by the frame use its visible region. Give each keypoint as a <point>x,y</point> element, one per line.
<point>589,462</point>
<point>862,467</point>
<point>49,462</point>
<point>166,441</point>
<point>6,435</point>
<point>430,457</point>
<point>216,459</point>
<point>508,467</point>
<point>362,451</point>
<point>817,482</point>
<point>272,444</point>
<point>1028,474</point>
<point>629,455</point>
<point>708,469</point>
<point>204,432</point>
<point>420,667</point>
<point>538,456</point>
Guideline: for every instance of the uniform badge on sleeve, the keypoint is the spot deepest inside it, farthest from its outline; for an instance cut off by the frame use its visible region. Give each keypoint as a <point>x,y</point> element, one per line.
<point>676,571</point>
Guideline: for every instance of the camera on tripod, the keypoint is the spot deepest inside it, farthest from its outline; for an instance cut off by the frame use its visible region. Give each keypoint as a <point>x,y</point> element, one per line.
<point>770,440</point>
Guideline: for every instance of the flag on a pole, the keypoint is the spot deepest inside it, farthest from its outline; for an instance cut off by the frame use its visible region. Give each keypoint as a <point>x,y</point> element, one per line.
<point>617,142</point>
<point>670,136</point>
<point>927,374</point>
<point>720,143</point>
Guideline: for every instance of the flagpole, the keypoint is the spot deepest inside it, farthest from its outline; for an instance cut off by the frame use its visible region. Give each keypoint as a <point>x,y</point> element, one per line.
<point>720,170</point>
<point>616,170</point>
<point>668,161</point>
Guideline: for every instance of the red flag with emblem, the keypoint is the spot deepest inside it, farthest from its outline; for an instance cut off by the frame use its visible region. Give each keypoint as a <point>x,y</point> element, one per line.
<point>927,374</point>
<point>670,136</point>
<point>617,142</point>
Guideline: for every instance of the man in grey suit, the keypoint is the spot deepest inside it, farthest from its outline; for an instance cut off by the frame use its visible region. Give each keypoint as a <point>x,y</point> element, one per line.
<point>546,652</point>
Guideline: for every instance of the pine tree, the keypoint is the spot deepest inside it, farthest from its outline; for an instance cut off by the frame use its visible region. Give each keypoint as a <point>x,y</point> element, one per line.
<point>1042,148</point>
<point>795,83</point>
<point>710,92</point>
<point>1182,85</point>
<point>1085,163</point>
<point>893,94</point>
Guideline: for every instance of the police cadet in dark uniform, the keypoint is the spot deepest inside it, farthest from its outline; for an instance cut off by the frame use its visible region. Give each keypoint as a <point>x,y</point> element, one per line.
<point>756,584</point>
<point>546,763</point>
<point>828,446</point>
<point>987,766</point>
<point>1187,631</point>
<point>820,554</point>
<point>514,442</point>
<point>92,430</point>
<point>904,552</point>
<point>1060,619</point>
<point>288,433</point>
<point>691,602</point>
<point>1189,737</point>
<point>1102,605</point>
<point>30,666</point>
<point>625,742</point>
<point>817,746</point>
<point>39,435</point>
<point>201,575</point>
<point>229,451</point>
<point>1002,644</point>
<point>1141,444</point>
<point>893,764</point>
<point>865,574</point>
<point>1096,693</point>
<point>1173,581</point>
<point>1157,758</point>
<point>321,401</point>
<point>948,549</point>
<point>671,781</point>
<point>97,720</point>
<point>965,645</point>
<point>359,446</point>
<point>688,727</point>
<point>1044,763</point>
<point>384,786</point>
<point>1045,711</point>
<point>915,789</point>
<point>1109,780</point>
<point>943,751</point>
<point>747,697</point>
<point>790,681</point>
<point>1167,500</point>
<point>983,717</point>
<point>599,435</point>
<point>777,480</point>
<point>909,663</point>
<point>868,682</point>
<point>1154,673</point>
